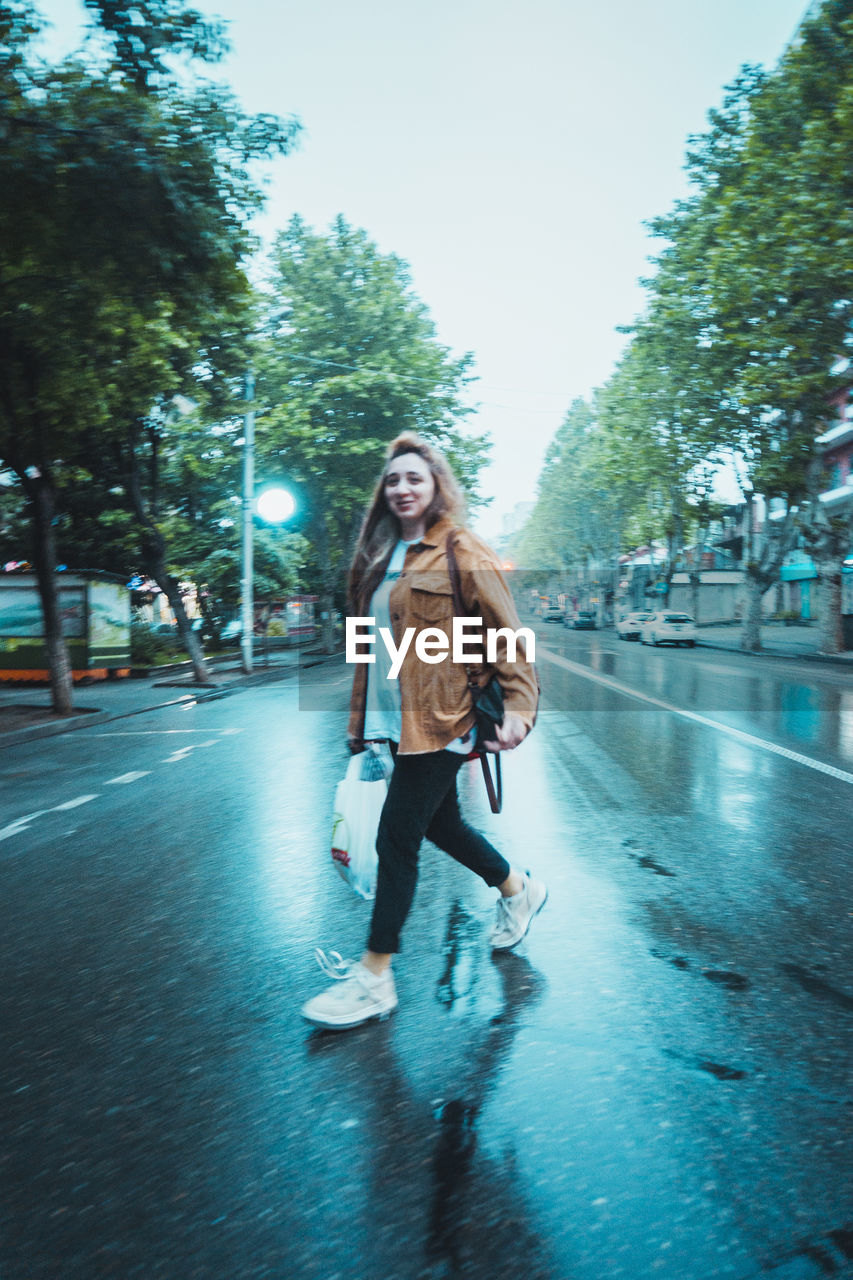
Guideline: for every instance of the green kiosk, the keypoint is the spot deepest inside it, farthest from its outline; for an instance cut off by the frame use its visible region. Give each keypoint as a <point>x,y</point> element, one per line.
<point>95,623</point>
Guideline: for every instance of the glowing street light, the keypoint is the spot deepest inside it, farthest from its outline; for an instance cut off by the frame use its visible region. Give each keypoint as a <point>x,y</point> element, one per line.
<point>273,505</point>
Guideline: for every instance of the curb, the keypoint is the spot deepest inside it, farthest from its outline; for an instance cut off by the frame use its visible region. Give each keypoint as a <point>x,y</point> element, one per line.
<point>193,693</point>
<point>835,659</point>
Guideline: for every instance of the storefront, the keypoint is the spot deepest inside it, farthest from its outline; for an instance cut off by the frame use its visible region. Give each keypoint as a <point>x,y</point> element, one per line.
<point>798,576</point>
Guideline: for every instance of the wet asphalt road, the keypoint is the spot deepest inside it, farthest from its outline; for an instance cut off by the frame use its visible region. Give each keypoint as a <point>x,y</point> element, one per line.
<point>656,1084</point>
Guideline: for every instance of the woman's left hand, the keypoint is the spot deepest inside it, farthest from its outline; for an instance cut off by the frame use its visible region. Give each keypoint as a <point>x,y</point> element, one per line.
<point>508,734</point>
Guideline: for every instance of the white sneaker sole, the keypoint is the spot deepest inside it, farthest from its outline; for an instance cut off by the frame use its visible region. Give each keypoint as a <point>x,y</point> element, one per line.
<point>343,1023</point>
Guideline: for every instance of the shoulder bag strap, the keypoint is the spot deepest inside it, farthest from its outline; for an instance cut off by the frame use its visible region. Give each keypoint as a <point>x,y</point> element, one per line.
<point>494,786</point>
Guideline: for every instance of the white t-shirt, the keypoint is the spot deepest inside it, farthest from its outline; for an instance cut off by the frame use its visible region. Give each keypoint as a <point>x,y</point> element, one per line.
<point>383,715</point>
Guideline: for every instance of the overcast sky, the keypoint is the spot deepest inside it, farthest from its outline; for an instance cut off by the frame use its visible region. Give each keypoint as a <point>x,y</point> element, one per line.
<point>508,151</point>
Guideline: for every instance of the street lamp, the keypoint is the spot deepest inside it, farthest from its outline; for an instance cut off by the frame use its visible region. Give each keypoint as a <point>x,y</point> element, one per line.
<point>274,505</point>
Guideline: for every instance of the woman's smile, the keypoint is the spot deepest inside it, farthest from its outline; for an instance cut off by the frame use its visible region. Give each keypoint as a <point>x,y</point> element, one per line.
<point>409,490</point>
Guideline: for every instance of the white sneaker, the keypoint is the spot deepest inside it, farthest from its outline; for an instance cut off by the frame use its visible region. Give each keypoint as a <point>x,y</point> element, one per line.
<point>356,996</point>
<point>516,913</point>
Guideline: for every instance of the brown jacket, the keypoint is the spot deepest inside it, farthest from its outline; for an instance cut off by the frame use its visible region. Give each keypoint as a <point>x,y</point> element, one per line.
<point>435,699</point>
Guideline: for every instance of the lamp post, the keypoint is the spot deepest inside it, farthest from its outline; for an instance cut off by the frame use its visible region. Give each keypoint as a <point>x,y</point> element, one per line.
<point>274,505</point>
<point>247,562</point>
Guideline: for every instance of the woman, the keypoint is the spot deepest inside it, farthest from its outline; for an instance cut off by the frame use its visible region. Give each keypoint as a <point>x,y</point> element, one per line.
<point>400,578</point>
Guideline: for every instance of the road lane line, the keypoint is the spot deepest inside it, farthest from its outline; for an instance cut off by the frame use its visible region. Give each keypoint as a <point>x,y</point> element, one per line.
<point>153,733</point>
<point>125,778</point>
<point>182,752</point>
<point>22,824</point>
<point>762,743</point>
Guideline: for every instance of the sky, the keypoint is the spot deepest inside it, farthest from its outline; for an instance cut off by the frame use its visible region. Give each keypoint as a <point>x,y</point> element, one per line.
<point>509,151</point>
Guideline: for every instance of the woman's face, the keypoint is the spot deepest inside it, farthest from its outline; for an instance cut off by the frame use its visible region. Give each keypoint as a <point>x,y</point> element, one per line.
<point>409,489</point>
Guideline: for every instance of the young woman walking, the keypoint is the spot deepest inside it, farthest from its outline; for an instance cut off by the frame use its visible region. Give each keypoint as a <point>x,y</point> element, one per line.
<point>400,577</point>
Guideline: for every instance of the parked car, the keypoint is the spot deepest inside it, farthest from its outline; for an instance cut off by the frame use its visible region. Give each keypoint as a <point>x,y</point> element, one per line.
<point>630,627</point>
<point>583,620</point>
<point>666,627</point>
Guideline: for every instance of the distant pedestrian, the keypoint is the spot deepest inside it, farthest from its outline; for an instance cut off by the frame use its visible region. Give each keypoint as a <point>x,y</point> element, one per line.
<point>400,577</point>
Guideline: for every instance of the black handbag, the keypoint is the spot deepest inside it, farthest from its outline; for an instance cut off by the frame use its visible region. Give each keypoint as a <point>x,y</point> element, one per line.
<point>488,701</point>
<point>488,708</point>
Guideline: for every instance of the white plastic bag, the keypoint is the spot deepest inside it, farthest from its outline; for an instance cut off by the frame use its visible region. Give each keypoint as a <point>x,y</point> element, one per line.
<point>359,798</point>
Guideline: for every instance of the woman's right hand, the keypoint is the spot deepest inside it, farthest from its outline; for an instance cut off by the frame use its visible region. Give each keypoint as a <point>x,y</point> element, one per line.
<point>508,735</point>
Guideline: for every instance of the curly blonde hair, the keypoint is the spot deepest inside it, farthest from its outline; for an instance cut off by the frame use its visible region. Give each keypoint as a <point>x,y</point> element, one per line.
<point>381,531</point>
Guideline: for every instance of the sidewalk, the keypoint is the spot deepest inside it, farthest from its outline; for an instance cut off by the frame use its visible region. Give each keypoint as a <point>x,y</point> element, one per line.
<point>26,713</point>
<point>777,640</point>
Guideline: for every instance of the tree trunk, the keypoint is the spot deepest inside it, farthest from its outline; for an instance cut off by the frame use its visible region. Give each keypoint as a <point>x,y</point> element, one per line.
<point>154,563</point>
<point>169,586</point>
<point>41,498</point>
<point>674,544</point>
<point>829,607</point>
<point>764,554</point>
<point>828,539</point>
<point>750,636</point>
<point>696,572</point>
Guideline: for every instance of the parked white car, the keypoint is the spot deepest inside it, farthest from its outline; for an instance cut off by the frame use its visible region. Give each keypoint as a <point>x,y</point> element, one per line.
<point>667,627</point>
<point>630,627</point>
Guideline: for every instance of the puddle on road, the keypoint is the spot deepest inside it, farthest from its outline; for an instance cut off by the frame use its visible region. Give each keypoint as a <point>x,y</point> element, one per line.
<point>719,1070</point>
<point>462,945</point>
<point>732,981</point>
<point>643,860</point>
<point>679,962</point>
<point>817,986</point>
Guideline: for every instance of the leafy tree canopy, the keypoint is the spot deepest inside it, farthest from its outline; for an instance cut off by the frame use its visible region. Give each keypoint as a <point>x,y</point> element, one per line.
<point>350,360</point>
<point>125,200</point>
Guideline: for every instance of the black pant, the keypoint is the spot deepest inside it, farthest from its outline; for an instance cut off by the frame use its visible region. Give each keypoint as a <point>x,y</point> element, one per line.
<point>422,801</point>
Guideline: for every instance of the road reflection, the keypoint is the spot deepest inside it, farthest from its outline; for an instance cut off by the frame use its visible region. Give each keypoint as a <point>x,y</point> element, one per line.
<point>804,709</point>
<point>437,1199</point>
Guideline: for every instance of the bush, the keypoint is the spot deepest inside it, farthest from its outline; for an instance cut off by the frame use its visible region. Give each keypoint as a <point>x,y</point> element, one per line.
<point>146,648</point>
<point>790,617</point>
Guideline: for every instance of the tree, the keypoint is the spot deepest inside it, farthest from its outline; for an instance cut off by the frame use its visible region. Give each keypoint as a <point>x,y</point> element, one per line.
<point>751,302</point>
<point>123,207</point>
<point>278,560</point>
<point>781,279</point>
<point>350,361</point>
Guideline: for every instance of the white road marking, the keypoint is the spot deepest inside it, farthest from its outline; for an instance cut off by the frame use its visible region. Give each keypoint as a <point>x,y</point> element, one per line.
<point>183,752</point>
<point>748,738</point>
<point>21,825</point>
<point>154,733</point>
